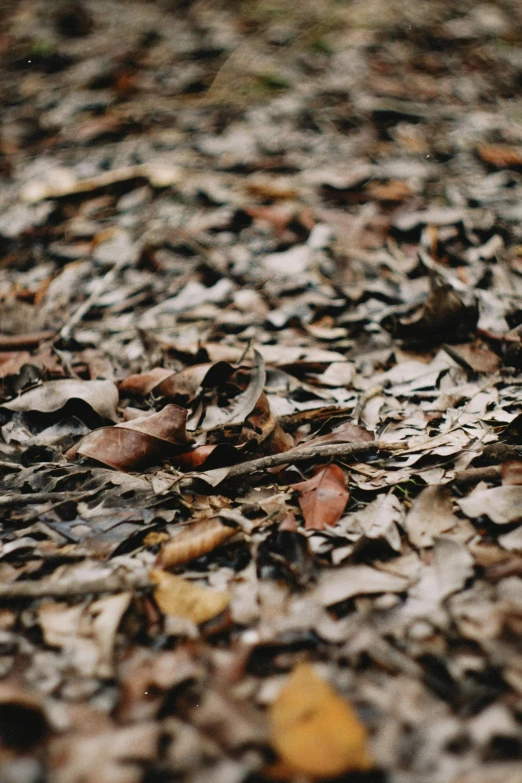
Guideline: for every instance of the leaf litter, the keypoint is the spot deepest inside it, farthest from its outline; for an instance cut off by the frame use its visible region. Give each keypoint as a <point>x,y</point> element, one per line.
<point>260,350</point>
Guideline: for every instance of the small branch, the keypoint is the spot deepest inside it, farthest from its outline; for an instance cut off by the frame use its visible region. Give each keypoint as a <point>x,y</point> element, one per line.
<point>15,342</point>
<point>63,589</point>
<point>474,475</point>
<point>300,454</point>
<point>6,465</point>
<point>12,501</point>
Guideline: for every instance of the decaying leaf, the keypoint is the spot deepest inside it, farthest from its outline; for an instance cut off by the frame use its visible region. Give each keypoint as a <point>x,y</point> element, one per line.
<point>180,598</point>
<point>323,497</point>
<point>314,731</point>
<point>194,541</point>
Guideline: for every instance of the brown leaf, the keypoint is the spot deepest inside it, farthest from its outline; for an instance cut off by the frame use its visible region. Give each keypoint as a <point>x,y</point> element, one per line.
<point>144,383</point>
<point>430,515</point>
<point>194,541</point>
<point>500,156</point>
<point>323,497</point>
<point>243,404</point>
<point>444,317</point>
<point>207,457</point>
<point>314,731</point>
<point>139,443</point>
<point>259,424</point>
<point>180,598</point>
<point>476,357</point>
<point>345,433</point>
<point>511,472</point>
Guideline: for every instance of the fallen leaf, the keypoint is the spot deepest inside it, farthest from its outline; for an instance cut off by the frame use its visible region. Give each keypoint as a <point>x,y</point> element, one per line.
<point>194,541</point>
<point>180,598</point>
<point>511,472</point>
<point>141,384</point>
<point>138,443</point>
<point>259,424</point>
<point>430,515</point>
<point>444,317</point>
<point>323,497</point>
<point>342,583</point>
<point>314,731</point>
<point>243,404</point>
<point>501,504</point>
<point>102,396</point>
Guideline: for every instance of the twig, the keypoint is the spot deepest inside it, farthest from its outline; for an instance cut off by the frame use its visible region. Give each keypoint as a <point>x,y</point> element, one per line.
<point>321,450</point>
<point>63,589</point>
<point>12,501</point>
<point>14,342</point>
<point>474,475</point>
<point>6,465</point>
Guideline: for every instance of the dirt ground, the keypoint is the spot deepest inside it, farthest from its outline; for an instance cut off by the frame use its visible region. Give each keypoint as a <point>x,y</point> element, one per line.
<point>260,415</point>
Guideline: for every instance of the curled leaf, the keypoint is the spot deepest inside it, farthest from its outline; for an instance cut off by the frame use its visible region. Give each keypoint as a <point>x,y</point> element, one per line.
<point>314,731</point>
<point>194,541</point>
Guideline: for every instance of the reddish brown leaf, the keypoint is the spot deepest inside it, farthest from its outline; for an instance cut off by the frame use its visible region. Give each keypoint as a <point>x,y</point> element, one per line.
<point>139,443</point>
<point>144,383</point>
<point>259,424</point>
<point>323,497</point>
<point>207,457</point>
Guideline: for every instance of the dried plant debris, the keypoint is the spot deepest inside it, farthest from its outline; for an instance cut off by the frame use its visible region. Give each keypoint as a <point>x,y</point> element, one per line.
<point>260,391</point>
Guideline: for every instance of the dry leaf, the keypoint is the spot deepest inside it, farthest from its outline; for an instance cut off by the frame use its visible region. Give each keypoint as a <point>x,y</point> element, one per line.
<point>323,497</point>
<point>194,541</point>
<point>314,731</point>
<point>102,396</point>
<point>430,515</point>
<point>139,443</point>
<point>502,505</point>
<point>180,598</point>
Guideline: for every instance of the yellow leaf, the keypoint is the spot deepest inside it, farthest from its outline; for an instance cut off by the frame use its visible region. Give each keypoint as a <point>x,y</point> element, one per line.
<point>314,731</point>
<point>176,596</point>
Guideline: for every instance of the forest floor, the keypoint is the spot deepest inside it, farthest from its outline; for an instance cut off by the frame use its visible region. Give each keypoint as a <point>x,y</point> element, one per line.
<point>261,391</point>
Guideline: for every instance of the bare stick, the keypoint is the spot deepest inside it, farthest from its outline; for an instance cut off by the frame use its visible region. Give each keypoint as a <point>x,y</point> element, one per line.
<point>47,588</point>
<point>14,342</point>
<point>301,454</point>
<point>474,475</point>
<point>4,463</point>
<point>12,501</point>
